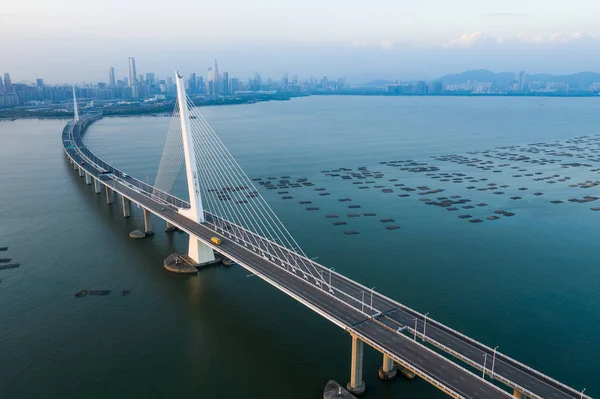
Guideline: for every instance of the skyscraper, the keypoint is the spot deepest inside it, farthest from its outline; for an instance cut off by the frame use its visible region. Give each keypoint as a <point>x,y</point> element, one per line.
<point>111,76</point>
<point>192,83</point>
<point>1,86</point>
<point>39,83</point>
<point>215,79</point>
<point>133,78</point>
<point>519,84</point>
<point>8,89</point>
<point>225,83</point>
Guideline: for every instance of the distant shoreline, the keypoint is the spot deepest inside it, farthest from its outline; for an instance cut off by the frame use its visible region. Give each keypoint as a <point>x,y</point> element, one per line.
<point>167,108</point>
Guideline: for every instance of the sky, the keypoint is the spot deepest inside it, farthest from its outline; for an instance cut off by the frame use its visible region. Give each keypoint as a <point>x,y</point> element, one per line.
<point>71,41</point>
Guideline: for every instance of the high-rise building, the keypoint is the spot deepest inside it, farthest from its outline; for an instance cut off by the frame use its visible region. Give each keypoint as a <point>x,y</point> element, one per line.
<point>200,87</point>
<point>39,82</point>
<point>225,83</point>
<point>150,78</point>
<point>1,86</point>
<point>8,89</point>
<point>192,83</point>
<point>519,84</point>
<point>111,76</point>
<point>233,85</point>
<point>133,77</point>
<point>215,79</point>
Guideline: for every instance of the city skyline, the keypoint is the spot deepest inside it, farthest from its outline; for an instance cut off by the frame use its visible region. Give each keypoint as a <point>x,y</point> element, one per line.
<point>351,39</point>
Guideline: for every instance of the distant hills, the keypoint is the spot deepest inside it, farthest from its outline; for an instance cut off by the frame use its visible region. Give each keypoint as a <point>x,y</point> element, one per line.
<point>581,80</point>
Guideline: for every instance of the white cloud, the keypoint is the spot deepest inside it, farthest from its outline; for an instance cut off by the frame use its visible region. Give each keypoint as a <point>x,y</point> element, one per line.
<point>386,43</point>
<point>470,39</point>
<point>478,37</point>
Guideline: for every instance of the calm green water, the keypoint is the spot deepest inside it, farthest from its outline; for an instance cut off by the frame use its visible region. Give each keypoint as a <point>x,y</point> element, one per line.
<point>529,283</point>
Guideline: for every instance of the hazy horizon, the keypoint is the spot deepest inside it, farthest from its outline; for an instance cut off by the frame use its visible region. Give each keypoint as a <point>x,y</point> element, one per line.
<point>71,41</point>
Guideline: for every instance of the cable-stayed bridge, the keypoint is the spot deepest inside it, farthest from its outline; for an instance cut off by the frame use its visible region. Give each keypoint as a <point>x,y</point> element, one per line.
<point>225,205</point>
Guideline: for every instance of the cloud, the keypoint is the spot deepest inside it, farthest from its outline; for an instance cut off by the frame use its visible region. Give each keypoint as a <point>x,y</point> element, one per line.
<point>386,43</point>
<point>479,38</point>
<point>470,39</point>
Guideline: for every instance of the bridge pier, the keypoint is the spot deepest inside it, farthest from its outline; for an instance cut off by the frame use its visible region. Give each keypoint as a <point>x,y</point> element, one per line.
<point>169,228</point>
<point>88,179</point>
<point>75,166</point>
<point>126,206</point>
<point>81,172</point>
<point>110,195</point>
<point>147,222</point>
<point>200,252</point>
<point>97,187</point>
<point>518,394</point>
<point>388,370</point>
<point>356,386</point>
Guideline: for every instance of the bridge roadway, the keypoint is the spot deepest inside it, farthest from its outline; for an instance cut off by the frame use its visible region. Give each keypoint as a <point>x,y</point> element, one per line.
<point>351,306</point>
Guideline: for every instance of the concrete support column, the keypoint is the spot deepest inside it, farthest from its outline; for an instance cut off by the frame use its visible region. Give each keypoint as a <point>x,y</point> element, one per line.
<point>388,370</point>
<point>356,386</point>
<point>75,166</point>
<point>126,206</point>
<point>169,228</point>
<point>88,179</point>
<point>148,223</point>
<point>97,186</point>
<point>110,195</point>
<point>81,172</point>
<point>518,394</point>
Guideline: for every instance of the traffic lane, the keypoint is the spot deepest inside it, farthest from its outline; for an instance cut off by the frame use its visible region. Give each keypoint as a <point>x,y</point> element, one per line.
<point>501,368</point>
<point>448,373</point>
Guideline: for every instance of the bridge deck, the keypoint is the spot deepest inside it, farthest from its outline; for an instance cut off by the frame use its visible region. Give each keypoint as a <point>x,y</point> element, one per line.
<point>349,305</point>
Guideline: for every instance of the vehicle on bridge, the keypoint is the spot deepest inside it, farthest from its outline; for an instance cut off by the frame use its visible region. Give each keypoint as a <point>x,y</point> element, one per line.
<point>216,240</point>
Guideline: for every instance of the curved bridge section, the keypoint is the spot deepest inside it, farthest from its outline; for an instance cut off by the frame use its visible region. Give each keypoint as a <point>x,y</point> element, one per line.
<point>405,337</point>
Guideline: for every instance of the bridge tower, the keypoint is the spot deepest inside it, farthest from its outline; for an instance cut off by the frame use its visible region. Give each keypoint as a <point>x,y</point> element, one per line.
<point>76,110</point>
<point>198,251</point>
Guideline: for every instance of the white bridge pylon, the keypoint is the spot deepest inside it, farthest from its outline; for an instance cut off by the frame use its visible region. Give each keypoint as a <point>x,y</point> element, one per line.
<point>221,195</point>
<point>198,251</point>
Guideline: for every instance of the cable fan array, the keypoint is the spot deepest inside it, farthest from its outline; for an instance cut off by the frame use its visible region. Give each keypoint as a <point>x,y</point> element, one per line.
<point>230,200</point>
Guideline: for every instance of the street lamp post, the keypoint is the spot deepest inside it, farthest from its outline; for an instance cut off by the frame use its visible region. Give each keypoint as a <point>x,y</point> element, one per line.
<point>494,360</point>
<point>582,393</point>
<point>415,338</point>
<point>484,362</point>
<point>372,298</point>
<point>362,303</point>
<point>425,326</point>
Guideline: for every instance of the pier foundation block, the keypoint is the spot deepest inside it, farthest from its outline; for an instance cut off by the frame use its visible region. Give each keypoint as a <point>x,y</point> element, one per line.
<point>388,370</point>
<point>169,228</point>
<point>356,386</point>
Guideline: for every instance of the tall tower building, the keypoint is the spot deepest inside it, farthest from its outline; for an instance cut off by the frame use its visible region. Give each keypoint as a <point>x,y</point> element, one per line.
<point>133,77</point>
<point>1,86</point>
<point>39,82</point>
<point>111,76</point>
<point>192,83</point>
<point>225,83</point>
<point>216,79</point>
<point>7,84</point>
